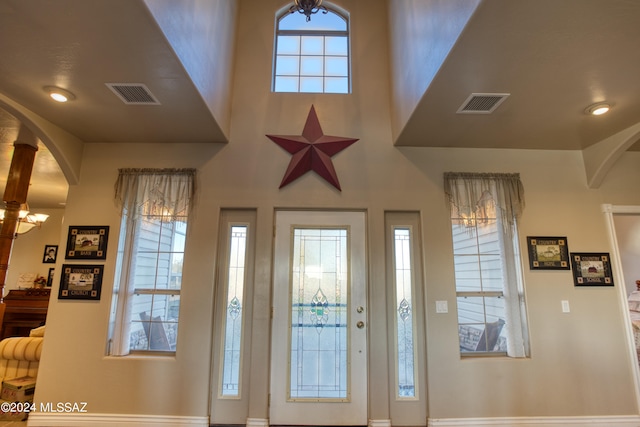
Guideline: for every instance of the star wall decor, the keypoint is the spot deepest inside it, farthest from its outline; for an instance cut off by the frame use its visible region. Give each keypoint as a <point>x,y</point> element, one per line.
<point>311,151</point>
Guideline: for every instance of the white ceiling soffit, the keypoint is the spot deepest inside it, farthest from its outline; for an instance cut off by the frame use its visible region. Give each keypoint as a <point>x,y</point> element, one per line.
<point>133,93</point>
<point>482,103</point>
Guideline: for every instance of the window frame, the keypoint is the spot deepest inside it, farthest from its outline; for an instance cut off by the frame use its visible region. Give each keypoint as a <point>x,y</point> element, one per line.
<point>153,203</point>
<point>405,410</point>
<point>320,33</point>
<point>226,237</point>
<point>508,252</point>
<point>475,197</point>
<point>414,339</point>
<point>125,290</point>
<point>226,407</point>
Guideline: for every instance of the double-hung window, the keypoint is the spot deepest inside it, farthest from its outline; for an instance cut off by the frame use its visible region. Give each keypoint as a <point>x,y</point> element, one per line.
<point>312,56</point>
<point>155,207</point>
<point>488,273</point>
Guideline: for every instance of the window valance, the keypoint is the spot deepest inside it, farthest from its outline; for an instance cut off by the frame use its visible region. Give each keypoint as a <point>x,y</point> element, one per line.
<point>471,194</point>
<point>168,193</point>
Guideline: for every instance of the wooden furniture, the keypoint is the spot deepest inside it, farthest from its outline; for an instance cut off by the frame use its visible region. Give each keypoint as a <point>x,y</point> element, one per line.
<point>26,309</point>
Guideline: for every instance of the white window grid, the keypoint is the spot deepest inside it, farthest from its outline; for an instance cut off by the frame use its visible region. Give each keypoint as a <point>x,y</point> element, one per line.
<point>320,76</point>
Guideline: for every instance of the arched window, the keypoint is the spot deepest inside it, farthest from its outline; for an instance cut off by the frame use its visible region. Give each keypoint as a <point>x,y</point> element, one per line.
<point>313,56</point>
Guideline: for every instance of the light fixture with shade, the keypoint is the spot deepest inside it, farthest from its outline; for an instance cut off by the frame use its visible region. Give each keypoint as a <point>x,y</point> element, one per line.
<point>26,221</point>
<point>59,94</point>
<point>307,7</point>
<point>598,109</point>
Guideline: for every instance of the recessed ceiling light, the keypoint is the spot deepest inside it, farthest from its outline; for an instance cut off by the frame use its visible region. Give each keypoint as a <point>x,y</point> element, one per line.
<point>598,109</point>
<point>58,94</point>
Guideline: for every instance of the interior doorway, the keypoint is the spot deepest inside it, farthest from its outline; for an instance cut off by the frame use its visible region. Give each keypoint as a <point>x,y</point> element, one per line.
<point>623,224</point>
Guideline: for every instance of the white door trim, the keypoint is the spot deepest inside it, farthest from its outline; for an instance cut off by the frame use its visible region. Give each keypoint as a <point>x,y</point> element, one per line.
<point>616,266</point>
<point>353,409</point>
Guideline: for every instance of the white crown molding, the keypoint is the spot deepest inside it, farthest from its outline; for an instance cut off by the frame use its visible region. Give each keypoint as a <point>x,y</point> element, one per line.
<point>620,209</point>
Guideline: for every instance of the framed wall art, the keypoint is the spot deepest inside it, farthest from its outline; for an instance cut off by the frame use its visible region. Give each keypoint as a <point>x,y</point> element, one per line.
<point>548,253</point>
<point>50,254</point>
<point>81,282</point>
<point>87,242</point>
<point>50,277</point>
<point>591,269</point>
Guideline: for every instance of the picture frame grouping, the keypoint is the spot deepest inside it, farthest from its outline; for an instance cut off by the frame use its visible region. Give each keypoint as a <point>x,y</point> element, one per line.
<point>87,242</point>
<point>552,253</point>
<point>83,281</point>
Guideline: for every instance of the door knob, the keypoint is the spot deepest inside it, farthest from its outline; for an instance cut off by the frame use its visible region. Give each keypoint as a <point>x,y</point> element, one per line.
<point>360,324</point>
<point>360,309</point>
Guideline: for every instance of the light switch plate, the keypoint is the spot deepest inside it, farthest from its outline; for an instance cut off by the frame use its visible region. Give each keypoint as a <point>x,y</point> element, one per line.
<point>565,306</point>
<point>442,307</point>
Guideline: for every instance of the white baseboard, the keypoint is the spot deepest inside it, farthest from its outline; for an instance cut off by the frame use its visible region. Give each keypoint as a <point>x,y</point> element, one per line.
<point>37,419</point>
<point>606,421</point>
<point>42,419</point>
<point>257,422</point>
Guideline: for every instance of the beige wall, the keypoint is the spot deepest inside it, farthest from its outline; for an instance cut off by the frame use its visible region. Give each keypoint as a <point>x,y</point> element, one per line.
<point>571,370</point>
<point>201,33</point>
<point>578,364</point>
<point>414,63</point>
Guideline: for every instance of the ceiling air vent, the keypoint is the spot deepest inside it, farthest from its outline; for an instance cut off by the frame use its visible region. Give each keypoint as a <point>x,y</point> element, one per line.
<point>133,93</point>
<point>482,103</point>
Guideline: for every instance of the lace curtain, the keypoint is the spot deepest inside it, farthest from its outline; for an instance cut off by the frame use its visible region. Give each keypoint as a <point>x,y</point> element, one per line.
<point>159,192</point>
<point>476,195</point>
<point>473,194</point>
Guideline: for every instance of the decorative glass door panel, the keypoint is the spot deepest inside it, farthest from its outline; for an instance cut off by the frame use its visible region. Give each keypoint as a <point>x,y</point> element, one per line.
<point>319,373</point>
<point>319,299</point>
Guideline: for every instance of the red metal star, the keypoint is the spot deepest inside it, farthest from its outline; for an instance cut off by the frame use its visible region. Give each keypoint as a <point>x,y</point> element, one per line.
<point>311,151</point>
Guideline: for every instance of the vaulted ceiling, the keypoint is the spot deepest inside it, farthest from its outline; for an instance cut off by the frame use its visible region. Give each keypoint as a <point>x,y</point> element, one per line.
<point>554,59</point>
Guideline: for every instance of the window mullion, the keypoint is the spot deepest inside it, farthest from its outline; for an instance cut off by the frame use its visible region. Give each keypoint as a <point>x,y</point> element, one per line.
<point>490,294</point>
<point>144,291</point>
<point>312,33</point>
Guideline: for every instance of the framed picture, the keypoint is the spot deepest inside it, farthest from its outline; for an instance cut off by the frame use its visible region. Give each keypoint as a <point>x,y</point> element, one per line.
<point>87,242</point>
<point>50,254</point>
<point>81,282</point>
<point>50,277</point>
<point>548,253</point>
<point>591,269</point>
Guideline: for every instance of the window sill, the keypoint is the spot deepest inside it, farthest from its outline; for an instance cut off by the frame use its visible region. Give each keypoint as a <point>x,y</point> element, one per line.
<point>483,354</point>
<point>149,355</point>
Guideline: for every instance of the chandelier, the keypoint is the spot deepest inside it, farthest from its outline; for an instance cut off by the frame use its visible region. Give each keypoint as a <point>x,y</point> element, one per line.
<point>26,221</point>
<point>307,7</point>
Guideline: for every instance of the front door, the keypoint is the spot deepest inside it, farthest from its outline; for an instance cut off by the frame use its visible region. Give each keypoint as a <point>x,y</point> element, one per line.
<point>319,338</point>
